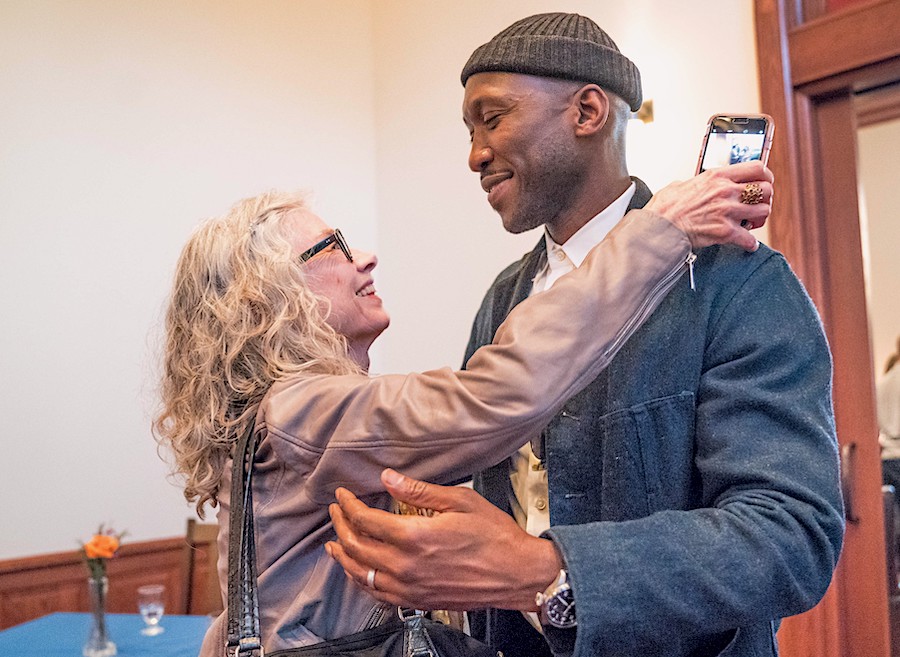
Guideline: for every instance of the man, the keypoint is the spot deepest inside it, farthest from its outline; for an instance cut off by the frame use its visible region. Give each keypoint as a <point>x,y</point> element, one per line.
<point>688,498</point>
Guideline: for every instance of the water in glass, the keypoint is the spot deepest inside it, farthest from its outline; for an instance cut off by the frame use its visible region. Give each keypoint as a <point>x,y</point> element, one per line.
<point>151,604</point>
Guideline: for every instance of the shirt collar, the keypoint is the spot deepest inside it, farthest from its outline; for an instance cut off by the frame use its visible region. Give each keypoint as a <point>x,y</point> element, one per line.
<point>591,234</point>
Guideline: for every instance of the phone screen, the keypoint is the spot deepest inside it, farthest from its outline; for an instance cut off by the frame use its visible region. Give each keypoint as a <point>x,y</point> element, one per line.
<point>732,140</point>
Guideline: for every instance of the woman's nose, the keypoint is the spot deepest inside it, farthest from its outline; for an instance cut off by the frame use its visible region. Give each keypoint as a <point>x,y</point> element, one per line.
<point>364,260</point>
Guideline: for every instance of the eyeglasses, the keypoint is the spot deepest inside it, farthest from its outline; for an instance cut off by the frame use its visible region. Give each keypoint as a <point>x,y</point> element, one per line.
<point>334,238</point>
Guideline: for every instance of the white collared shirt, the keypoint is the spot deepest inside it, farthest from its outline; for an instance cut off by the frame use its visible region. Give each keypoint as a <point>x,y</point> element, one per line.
<point>530,502</point>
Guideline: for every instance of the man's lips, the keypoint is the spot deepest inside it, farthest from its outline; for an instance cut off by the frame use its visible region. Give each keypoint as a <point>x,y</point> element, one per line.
<point>495,185</point>
<point>489,181</point>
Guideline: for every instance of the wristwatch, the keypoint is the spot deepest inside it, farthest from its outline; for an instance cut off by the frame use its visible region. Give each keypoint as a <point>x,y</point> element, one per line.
<point>557,603</point>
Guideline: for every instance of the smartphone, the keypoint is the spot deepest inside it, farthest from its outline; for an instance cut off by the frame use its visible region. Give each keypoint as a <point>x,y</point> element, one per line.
<point>733,138</point>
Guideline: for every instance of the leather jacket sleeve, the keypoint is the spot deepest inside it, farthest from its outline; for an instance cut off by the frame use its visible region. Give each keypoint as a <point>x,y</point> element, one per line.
<point>442,425</point>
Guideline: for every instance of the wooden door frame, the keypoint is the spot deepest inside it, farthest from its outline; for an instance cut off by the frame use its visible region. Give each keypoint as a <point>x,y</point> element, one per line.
<point>809,74</point>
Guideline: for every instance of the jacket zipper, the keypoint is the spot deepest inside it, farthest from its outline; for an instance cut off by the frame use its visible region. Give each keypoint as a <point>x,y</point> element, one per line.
<point>690,263</point>
<point>658,291</point>
<point>375,616</point>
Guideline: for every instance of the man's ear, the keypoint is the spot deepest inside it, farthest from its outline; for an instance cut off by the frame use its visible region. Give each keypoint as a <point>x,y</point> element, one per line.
<point>592,106</point>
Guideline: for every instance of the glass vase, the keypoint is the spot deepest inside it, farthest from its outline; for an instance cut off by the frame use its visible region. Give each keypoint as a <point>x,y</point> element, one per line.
<point>98,643</point>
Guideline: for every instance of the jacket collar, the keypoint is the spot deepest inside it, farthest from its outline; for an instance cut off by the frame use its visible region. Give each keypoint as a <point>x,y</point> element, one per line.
<point>533,262</point>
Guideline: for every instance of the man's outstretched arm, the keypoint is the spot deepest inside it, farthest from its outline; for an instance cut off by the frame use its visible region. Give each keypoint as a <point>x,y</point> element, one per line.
<point>468,555</point>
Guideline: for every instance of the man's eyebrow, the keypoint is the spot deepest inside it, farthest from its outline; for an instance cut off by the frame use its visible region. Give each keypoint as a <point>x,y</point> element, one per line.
<point>472,108</point>
<point>478,104</point>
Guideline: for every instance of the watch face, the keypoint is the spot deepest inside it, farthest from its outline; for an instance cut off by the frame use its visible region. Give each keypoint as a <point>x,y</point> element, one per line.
<point>560,609</point>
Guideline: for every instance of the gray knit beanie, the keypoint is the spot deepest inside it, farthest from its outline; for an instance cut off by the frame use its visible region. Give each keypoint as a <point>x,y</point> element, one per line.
<point>559,45</point>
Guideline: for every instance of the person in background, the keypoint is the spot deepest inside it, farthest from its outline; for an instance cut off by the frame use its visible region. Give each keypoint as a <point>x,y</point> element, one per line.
<point>269,326</point>
<point>888,408</point>
<point>688,498</point>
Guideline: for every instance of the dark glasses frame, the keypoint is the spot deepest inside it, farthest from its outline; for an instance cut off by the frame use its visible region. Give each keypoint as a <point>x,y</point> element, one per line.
<point>335,238</point>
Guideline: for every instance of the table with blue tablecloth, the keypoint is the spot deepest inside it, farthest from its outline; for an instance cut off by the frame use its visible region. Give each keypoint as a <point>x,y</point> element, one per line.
<point>64,634</point>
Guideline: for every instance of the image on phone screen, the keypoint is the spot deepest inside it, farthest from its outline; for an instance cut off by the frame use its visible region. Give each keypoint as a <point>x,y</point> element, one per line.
<point>732,141</point>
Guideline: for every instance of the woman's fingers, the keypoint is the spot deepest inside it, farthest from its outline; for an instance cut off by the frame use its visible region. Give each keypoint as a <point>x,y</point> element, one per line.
<point>719,206</point>
<point>745,172</point>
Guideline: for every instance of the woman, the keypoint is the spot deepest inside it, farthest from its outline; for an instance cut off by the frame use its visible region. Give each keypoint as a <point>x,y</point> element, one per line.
<point>270,322</point>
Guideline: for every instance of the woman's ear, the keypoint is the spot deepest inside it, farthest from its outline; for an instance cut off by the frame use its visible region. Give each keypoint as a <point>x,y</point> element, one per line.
<point>592,105</point>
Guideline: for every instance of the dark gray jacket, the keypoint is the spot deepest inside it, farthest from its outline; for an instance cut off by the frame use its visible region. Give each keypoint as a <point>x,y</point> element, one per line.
<point>694,490</point>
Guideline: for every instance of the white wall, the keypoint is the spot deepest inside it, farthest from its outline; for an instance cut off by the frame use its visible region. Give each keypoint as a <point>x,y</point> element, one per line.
<point>123,124</point>
<point>878,171</point>
<point>440,243</point>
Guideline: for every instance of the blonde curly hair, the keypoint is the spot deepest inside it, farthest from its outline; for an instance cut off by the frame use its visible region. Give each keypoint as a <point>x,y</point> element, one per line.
<point>240,318</point>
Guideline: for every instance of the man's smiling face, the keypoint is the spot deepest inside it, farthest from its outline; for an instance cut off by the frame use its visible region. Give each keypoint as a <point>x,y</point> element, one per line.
<point>522,146</point>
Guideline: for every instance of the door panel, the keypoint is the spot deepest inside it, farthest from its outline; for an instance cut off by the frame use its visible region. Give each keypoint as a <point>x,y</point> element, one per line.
<point>818,230</point>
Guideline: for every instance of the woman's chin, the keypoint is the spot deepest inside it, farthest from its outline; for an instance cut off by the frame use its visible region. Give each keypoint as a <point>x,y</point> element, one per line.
<point>380,325</point>
<point>359,347</point>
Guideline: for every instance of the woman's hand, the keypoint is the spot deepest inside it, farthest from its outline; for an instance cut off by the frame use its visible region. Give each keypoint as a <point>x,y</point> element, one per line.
<point>716,207</point>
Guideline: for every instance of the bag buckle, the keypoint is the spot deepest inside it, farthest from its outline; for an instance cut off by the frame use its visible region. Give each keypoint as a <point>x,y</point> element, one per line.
<point>249,645</point>
<point>407,614</point>
<point>416,642</point>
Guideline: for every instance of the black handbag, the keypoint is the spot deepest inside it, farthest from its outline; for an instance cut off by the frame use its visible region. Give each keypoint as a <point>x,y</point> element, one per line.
<point>411,634</point>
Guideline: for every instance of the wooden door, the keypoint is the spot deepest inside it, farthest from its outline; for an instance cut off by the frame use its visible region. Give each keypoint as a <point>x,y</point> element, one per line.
<point>810,73</point>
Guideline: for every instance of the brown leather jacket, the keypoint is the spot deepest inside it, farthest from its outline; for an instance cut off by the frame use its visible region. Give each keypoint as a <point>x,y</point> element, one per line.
<point>321,432</point>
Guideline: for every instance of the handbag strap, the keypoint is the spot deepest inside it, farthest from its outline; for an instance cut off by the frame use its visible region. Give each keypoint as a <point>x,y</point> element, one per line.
<point>244,639</point>
<point>243,598</point>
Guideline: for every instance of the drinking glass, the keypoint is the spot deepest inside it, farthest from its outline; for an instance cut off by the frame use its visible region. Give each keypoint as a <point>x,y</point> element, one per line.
<point>151,604</point>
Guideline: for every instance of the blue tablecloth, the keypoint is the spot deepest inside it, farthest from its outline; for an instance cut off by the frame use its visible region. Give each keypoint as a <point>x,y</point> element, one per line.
<point>64,634</point>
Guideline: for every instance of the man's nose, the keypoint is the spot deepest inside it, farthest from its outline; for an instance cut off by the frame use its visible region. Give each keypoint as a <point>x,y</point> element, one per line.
<point>479,156</point>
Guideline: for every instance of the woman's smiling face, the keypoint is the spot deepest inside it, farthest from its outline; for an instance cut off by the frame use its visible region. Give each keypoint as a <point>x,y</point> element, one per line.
<point>356,312</point>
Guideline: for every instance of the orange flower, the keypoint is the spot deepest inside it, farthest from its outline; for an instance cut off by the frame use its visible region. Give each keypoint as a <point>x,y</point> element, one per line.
<point>102,546</point>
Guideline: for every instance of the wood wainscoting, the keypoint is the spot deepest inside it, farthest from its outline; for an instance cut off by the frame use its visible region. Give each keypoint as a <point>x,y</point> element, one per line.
<point>31,587</point>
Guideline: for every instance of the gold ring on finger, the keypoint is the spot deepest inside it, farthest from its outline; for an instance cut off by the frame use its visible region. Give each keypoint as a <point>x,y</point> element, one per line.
<point>752,194</point>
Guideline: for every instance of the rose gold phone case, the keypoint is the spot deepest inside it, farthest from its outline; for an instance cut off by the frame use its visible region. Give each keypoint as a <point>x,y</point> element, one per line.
<point>767,140</point>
